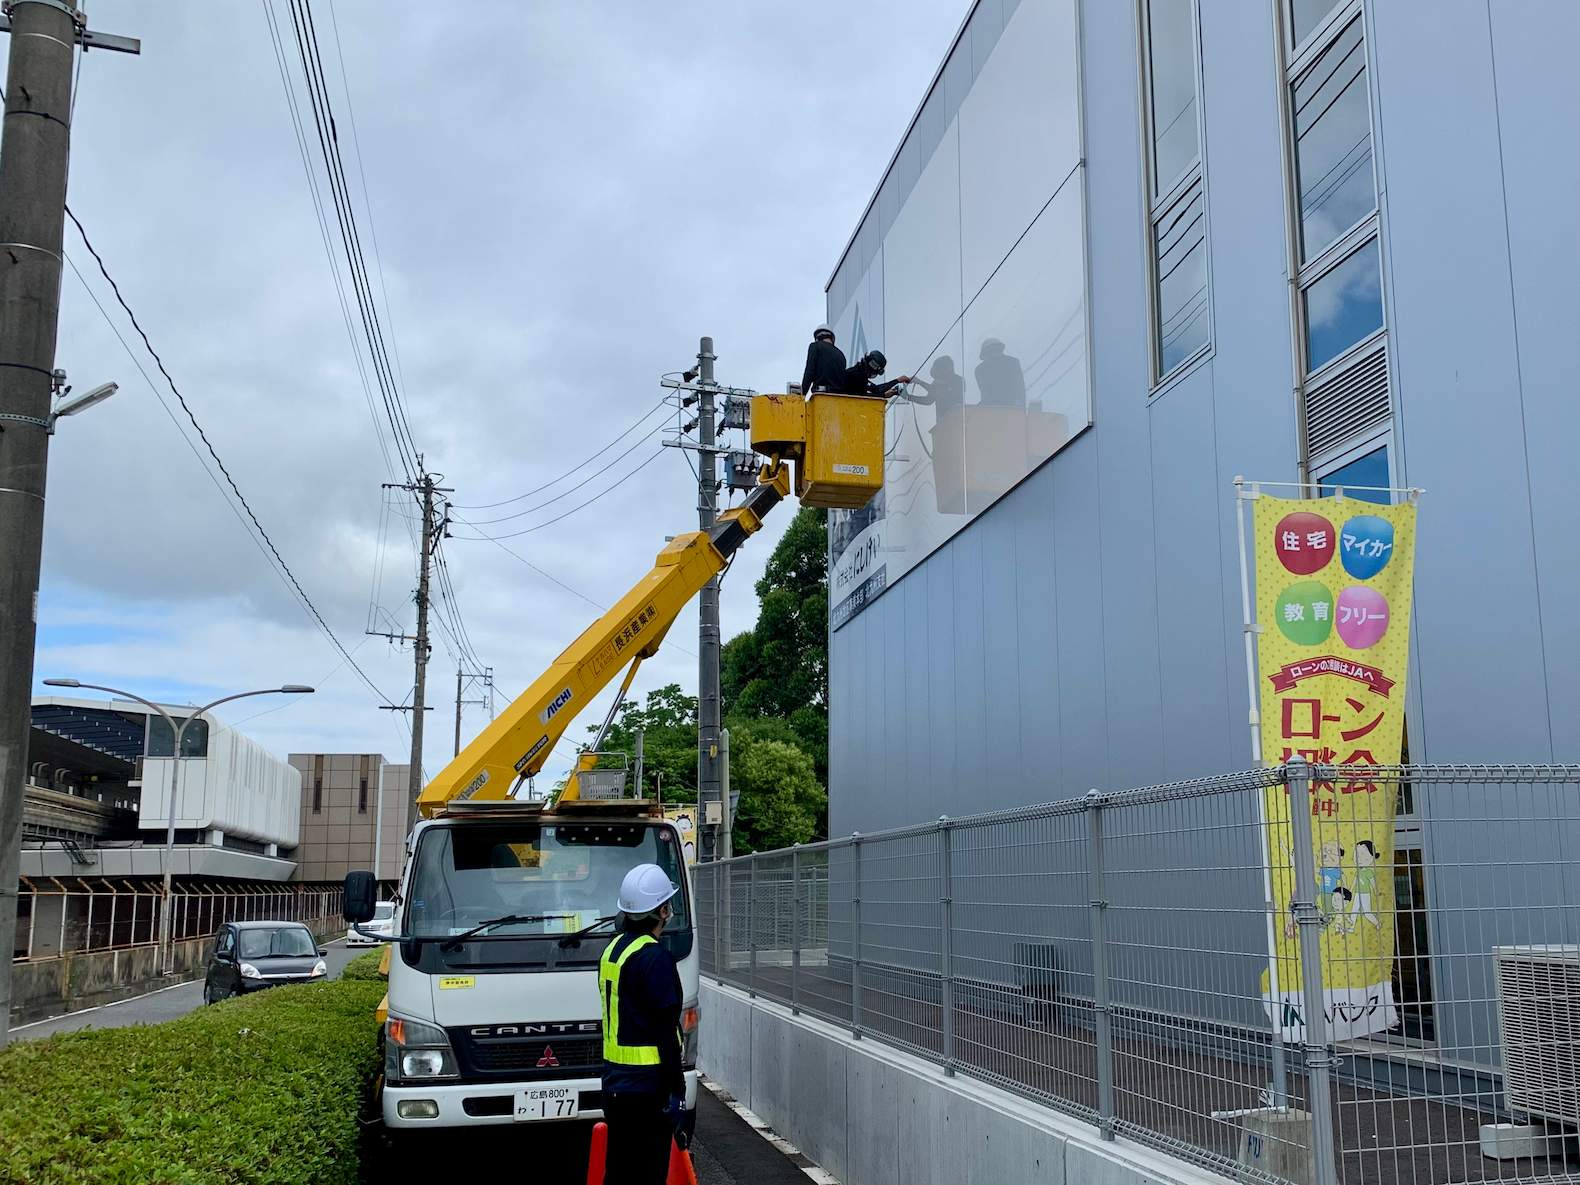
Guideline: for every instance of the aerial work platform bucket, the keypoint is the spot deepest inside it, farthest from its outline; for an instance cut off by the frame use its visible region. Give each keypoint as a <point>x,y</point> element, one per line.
<point>836,442</point>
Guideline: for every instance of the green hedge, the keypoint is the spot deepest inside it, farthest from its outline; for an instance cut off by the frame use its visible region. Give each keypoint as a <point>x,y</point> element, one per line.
<point>364,967</point>
<point>258,1090</point>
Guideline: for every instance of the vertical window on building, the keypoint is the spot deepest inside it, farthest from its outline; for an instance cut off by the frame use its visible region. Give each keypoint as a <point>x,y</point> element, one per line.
<point>1333,143</point>
<point>362,790</point>
<point>1181,324</point>
<point>1305,16</point>
<point>318,785</point>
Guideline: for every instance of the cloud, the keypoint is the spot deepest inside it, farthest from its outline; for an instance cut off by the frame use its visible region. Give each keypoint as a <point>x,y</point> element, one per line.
<point>565,196</point>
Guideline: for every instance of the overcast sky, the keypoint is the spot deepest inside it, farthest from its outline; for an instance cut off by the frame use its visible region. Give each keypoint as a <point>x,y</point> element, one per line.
<point>566,194</point>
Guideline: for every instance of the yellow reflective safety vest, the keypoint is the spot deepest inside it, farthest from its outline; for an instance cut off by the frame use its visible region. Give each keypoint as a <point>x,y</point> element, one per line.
<point>609,994</point>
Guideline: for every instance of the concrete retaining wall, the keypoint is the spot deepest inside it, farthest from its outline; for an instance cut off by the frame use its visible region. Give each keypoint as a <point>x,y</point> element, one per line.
<point>66,983</point>
<point>871,1115</point>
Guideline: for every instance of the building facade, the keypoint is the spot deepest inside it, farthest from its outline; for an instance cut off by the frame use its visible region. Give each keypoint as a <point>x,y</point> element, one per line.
<point>1134,250</point>
<point>99,786</point>
<point>356,812</point>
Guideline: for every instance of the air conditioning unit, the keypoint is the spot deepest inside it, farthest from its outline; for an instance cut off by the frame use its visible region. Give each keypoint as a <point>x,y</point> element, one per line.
<point>1539,1015</point>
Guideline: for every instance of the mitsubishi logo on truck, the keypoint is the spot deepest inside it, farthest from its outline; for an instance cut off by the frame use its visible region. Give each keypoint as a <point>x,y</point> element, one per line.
<point>555,705</point>
<point>548,1059</point>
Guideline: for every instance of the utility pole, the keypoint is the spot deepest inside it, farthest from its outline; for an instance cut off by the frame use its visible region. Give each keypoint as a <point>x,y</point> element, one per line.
<point>425,488</point>
<point>707,608</point>
<point>487,675</point>
<point>34,154</point>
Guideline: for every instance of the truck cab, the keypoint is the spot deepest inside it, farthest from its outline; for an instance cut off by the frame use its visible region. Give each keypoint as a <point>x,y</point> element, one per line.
<point>503,911</point>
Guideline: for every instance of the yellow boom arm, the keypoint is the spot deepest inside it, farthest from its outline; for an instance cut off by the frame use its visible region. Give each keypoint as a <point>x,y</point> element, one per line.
<point>519,740</point>
<point>835,443</point>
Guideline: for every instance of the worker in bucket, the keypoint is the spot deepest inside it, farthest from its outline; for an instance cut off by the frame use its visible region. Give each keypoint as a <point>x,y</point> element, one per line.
<point>644,1088</point>
<point>825,363</point>
<point>862,378</point>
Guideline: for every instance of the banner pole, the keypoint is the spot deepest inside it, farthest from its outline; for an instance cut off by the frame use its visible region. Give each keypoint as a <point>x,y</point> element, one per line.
<point>1280,1072</point>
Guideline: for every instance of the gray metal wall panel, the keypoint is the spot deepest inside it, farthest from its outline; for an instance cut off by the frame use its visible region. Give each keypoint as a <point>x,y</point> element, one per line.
<point>1252,396</point>
<point>1001,656</point>
<point>1538,92</point>
<point>938,733</point>
<point>1036,637</point>
<point>970,674</point>
<point>1188,507</point>
<point>1128,572</point>
<point>1078,593</point>
<point>1451,319</point>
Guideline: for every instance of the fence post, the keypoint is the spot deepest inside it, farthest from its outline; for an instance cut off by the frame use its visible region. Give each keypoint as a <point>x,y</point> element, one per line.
<point>751,926</point>
<point>1098,905</point>
<point>946,900</point>
<point>719,873</point>
<point>1319,1059</point>
<point>795,930</point>
<point>855,937</point>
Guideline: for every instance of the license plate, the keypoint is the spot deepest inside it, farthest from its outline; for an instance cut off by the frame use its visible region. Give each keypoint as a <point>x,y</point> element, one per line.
<point>548,1102</point>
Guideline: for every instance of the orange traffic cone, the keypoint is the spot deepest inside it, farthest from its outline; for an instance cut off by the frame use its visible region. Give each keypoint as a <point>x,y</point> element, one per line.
<point>680,1170</point>
<point>596,1153</point>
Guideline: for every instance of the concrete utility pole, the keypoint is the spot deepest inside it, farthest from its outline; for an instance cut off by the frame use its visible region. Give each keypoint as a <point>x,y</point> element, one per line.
<point>35,146</point>
<point>707,607</point>
<point>487,675</point>
<point>424,487</point>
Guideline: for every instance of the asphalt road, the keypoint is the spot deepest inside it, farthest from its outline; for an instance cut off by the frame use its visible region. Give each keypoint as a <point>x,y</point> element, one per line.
<point>166,1004</point>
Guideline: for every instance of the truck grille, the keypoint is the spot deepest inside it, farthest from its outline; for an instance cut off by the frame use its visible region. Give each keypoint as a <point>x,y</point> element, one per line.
<point>529,1057</point>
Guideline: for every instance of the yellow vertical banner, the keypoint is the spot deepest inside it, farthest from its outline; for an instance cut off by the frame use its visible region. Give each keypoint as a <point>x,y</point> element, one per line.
<point>1333,595</point>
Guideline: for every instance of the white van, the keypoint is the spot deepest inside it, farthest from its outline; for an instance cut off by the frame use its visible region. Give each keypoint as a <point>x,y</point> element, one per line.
<point>503,911</point>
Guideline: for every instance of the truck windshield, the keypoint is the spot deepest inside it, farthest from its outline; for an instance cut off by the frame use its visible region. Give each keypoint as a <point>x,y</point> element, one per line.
<point>565,874</point>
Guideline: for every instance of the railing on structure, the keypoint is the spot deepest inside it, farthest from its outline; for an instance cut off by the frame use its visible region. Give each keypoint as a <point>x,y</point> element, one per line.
<point>59,916</point>
<point>1111,957</point>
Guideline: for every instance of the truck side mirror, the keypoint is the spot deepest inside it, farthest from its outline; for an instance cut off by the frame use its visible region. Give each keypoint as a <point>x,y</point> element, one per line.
<point>360,897</point>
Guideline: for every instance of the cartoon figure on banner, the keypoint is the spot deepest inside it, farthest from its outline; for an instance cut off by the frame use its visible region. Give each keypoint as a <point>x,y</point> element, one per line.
<point>1365,885</point>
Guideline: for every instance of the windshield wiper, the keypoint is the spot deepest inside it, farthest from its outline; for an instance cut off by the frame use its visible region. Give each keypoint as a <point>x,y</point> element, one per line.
<point>575,939</point>
<point>508,920</point>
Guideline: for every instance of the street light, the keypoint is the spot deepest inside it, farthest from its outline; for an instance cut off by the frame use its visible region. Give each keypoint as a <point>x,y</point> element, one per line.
<point>166,947</point>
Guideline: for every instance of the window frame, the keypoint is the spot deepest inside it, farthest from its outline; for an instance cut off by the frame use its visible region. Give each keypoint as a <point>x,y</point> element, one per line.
<point>1295,74</point>
<point>1158,201</point>
<point>1366,229</point>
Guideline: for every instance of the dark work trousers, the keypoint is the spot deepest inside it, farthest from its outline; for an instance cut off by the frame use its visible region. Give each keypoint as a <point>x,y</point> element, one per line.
<point>639,1139</point>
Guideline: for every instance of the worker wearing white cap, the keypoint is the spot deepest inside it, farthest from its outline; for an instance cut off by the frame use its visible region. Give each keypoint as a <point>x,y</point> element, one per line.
<point>644,1087</point>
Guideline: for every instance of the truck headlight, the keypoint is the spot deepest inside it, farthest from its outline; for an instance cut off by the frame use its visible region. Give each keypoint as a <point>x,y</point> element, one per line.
<point>320,968</point>
<point>690,1030</point>
<point>414,1049</point>
<point>248,971</point>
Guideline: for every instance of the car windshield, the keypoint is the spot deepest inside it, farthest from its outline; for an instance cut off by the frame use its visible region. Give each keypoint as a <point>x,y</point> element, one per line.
<point>276,941</point>
<point>383,911</point>
<point>566,874</point>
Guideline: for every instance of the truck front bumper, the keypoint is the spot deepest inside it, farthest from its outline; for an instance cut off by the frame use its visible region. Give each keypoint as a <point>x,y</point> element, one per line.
<point>481,1104</point>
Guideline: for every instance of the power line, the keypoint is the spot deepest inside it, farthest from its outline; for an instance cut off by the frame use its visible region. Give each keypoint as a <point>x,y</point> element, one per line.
<point>548,485</point>
<point>274,551</point>
<point>607,490</point>
<point>640,441</point>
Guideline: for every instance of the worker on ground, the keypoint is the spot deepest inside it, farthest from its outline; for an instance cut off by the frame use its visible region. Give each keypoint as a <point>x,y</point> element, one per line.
<point>825,363</point>
<point>644,1088</point>
<point>861,379</point>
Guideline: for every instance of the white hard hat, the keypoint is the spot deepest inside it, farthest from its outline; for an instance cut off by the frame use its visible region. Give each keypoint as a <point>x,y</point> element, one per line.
<point>644,889</point>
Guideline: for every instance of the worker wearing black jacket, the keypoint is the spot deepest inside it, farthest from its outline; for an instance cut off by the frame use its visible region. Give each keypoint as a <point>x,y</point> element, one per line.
<point>860,379</point>
<point>825,362</point>
<point>644,1087</point>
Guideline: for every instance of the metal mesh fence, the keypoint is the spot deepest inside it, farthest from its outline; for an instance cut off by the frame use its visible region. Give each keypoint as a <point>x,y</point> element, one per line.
<point>1262,990</point>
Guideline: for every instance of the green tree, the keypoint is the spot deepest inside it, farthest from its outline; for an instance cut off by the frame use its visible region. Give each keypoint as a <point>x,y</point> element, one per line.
<point>782,802</point>
<point>668,723</point>
<point>779,668</point>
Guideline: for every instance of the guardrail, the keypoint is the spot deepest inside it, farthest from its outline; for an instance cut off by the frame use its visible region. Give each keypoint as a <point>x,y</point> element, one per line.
<point>1120,957</point>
